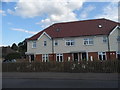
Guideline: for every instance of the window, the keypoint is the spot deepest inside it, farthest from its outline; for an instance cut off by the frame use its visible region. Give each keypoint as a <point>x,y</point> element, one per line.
<point>118,55</point>
<point>45,58</point>
<point>59,57</point>
<point>69,42</point>
<point>55,43</point>
<point>118,38</point>
<point>88,41</point>
<point>34,44</point>
<point>102,55</point>
<point>104,39</point>
<point>45,43</point>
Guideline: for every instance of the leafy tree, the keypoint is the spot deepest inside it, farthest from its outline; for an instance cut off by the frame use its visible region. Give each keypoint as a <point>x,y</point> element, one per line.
<point>13,56</point>
<point>14,47</point>
<point>22,48</point>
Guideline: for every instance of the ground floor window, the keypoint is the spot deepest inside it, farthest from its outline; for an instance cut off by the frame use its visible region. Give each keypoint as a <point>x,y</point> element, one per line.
<point>118,55</point>
<point>102,55</point>
<point>45,58</point>
<point>59,57</point>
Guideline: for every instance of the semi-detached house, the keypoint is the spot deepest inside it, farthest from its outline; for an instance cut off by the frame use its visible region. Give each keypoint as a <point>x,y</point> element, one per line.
<point>97,39</point>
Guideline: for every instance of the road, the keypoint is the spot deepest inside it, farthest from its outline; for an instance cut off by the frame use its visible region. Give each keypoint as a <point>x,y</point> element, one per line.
<point>60,80</point>
<point>43,83</point>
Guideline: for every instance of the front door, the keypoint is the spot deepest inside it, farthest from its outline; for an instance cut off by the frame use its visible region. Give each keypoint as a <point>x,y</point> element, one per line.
<point>75,55</point>
<point>84,56</point>
<point>32,57</point>
<point>118,55</point>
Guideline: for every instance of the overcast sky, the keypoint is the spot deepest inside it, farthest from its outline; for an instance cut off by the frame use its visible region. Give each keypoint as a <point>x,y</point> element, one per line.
<point>23,18</point>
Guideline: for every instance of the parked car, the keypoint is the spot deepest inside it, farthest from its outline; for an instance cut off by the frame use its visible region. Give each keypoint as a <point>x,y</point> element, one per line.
<point>7,61</point>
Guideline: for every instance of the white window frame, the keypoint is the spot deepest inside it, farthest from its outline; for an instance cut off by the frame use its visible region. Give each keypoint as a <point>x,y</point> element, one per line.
<point>88,40</point>
<point>55,43</point>
<point>105,40</point>
<point>44,43</point>
<point>118,38</point>
<point>72,42</point>
<point>34,44</point>
<point>102,53</point>
<point>45,57</point>
<point>117,52</point>
<point>59,55</point>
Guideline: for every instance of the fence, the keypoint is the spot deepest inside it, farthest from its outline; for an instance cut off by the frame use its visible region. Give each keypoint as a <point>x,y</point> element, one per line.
<point>112,66</point>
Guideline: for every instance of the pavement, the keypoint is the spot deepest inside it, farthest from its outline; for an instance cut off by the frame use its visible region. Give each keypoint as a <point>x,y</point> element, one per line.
<point>59,75</point>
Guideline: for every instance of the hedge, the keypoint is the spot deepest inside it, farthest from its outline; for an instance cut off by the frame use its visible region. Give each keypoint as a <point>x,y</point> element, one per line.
<point>112,66</point>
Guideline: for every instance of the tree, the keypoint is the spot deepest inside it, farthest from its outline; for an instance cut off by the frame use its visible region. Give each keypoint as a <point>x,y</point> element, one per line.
<point>22,47</point>
<point>13,56</point>
<point>14,47</point>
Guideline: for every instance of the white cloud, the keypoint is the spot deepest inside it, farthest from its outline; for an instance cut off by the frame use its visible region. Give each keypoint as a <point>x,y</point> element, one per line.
<point>55,10</point>
<point>9,23</point>
<point>84,14</point>
<point>2,12</point>
<point>103,0</point>
<point>110,12</point>
<point>9,0</point>
<point>23,30</point>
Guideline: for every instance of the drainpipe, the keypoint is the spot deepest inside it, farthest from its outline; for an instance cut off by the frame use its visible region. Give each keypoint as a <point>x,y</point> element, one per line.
<point>53,48</point>
<point>108,47</point>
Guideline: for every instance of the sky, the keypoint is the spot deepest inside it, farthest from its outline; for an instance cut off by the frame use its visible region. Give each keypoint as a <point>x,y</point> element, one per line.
<point>21,19</point>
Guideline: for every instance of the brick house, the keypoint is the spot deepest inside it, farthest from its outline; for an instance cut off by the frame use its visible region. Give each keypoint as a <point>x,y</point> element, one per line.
<point>97,39</point>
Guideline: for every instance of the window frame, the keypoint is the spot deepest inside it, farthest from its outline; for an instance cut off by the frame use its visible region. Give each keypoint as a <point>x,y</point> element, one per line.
<point>71,42</point>
<point>44,43</point>
<point>45,57</point>
<point>88,40</point>
<point>102,56</point>
<point>59,55</point>
<point>118,38</point>
<point>105,39</point>
<point>55,43</point>
<point>34,44</point>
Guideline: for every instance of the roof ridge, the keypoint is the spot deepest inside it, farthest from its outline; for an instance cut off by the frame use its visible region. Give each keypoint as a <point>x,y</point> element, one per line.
<point>80,21</point>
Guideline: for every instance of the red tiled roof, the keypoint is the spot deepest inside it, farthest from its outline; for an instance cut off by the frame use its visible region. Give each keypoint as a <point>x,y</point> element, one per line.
<point>79,28</point>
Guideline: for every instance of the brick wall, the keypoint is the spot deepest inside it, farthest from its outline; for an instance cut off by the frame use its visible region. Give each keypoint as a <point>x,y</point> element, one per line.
<point>111,55</point>
<point>39,57</point>
<point>66,55</point>
<point>93,54</point>
<point>52,57</point>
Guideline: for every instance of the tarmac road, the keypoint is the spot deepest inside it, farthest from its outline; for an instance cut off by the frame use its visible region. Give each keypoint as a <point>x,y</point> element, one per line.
<point>60,80</point>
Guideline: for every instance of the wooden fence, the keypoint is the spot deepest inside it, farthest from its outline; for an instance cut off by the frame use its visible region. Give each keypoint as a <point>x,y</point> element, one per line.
<point>112,66</point>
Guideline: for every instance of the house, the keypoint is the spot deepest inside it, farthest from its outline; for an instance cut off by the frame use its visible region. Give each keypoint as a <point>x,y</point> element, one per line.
<point>97,39</point>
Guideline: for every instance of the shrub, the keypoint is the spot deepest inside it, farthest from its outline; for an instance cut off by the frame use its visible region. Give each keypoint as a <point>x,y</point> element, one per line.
<point>13,56</point>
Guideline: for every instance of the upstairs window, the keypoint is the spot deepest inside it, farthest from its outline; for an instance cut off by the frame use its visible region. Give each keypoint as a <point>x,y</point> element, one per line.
<point>55,43</point>
<point>34,44</point>
<point>88,41</point>
<point>45,43</point>
<point>118,38</point>
<point>105,39</point>
<point>69,42</point>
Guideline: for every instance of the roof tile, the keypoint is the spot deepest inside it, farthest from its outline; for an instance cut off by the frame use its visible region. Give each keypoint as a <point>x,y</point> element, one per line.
<point>79,28</point>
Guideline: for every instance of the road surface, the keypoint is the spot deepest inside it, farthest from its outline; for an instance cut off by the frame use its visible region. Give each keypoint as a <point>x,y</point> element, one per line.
<point>60,80</point>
